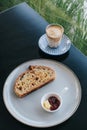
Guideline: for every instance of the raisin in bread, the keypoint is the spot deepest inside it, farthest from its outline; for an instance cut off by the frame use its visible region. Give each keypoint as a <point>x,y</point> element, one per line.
<point>33,78</point>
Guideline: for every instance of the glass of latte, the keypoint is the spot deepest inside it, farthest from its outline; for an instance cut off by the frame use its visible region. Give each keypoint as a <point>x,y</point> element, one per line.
<point>54,33</point>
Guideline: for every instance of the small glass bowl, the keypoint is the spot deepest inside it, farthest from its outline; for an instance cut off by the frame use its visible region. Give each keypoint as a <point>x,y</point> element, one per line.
<point>51,102</point>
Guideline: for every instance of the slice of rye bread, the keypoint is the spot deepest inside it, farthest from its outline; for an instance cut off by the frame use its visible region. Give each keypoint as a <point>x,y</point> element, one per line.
<point>33,78</point>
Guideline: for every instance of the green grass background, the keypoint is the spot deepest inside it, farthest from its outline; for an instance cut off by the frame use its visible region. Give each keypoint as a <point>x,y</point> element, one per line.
<point>72,14</point>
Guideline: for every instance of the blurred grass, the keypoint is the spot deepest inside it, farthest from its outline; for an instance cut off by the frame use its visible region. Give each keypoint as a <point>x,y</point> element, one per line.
<point>69,13</point>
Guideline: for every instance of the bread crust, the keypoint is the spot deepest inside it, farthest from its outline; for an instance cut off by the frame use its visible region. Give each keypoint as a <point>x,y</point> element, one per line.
<point>32,79</point>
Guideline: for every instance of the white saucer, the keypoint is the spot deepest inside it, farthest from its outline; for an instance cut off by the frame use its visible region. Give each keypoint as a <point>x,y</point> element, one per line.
<point>61,49</point>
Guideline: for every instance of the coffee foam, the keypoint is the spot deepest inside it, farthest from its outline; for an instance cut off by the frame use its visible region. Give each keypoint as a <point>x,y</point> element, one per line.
<point>54,31</point>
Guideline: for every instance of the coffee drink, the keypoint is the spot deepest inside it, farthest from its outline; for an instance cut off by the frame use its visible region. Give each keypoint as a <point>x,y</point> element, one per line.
<point>54,33</point>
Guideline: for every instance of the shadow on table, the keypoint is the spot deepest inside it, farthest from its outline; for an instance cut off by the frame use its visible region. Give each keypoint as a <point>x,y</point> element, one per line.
<point>58,57</point>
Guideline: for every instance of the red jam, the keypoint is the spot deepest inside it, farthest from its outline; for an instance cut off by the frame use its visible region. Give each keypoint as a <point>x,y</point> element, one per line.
<point>55,102</point>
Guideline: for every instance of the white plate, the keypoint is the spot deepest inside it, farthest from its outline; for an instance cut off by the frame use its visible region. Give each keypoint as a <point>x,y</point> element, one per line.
<point>61,49</point>
<point>28,110</point>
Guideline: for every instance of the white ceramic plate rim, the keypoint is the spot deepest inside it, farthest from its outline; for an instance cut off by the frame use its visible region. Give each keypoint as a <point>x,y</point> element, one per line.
<point>12,103</point>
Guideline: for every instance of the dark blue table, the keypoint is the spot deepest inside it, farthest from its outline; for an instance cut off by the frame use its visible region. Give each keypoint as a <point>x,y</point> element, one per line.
<point>20,29</point>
